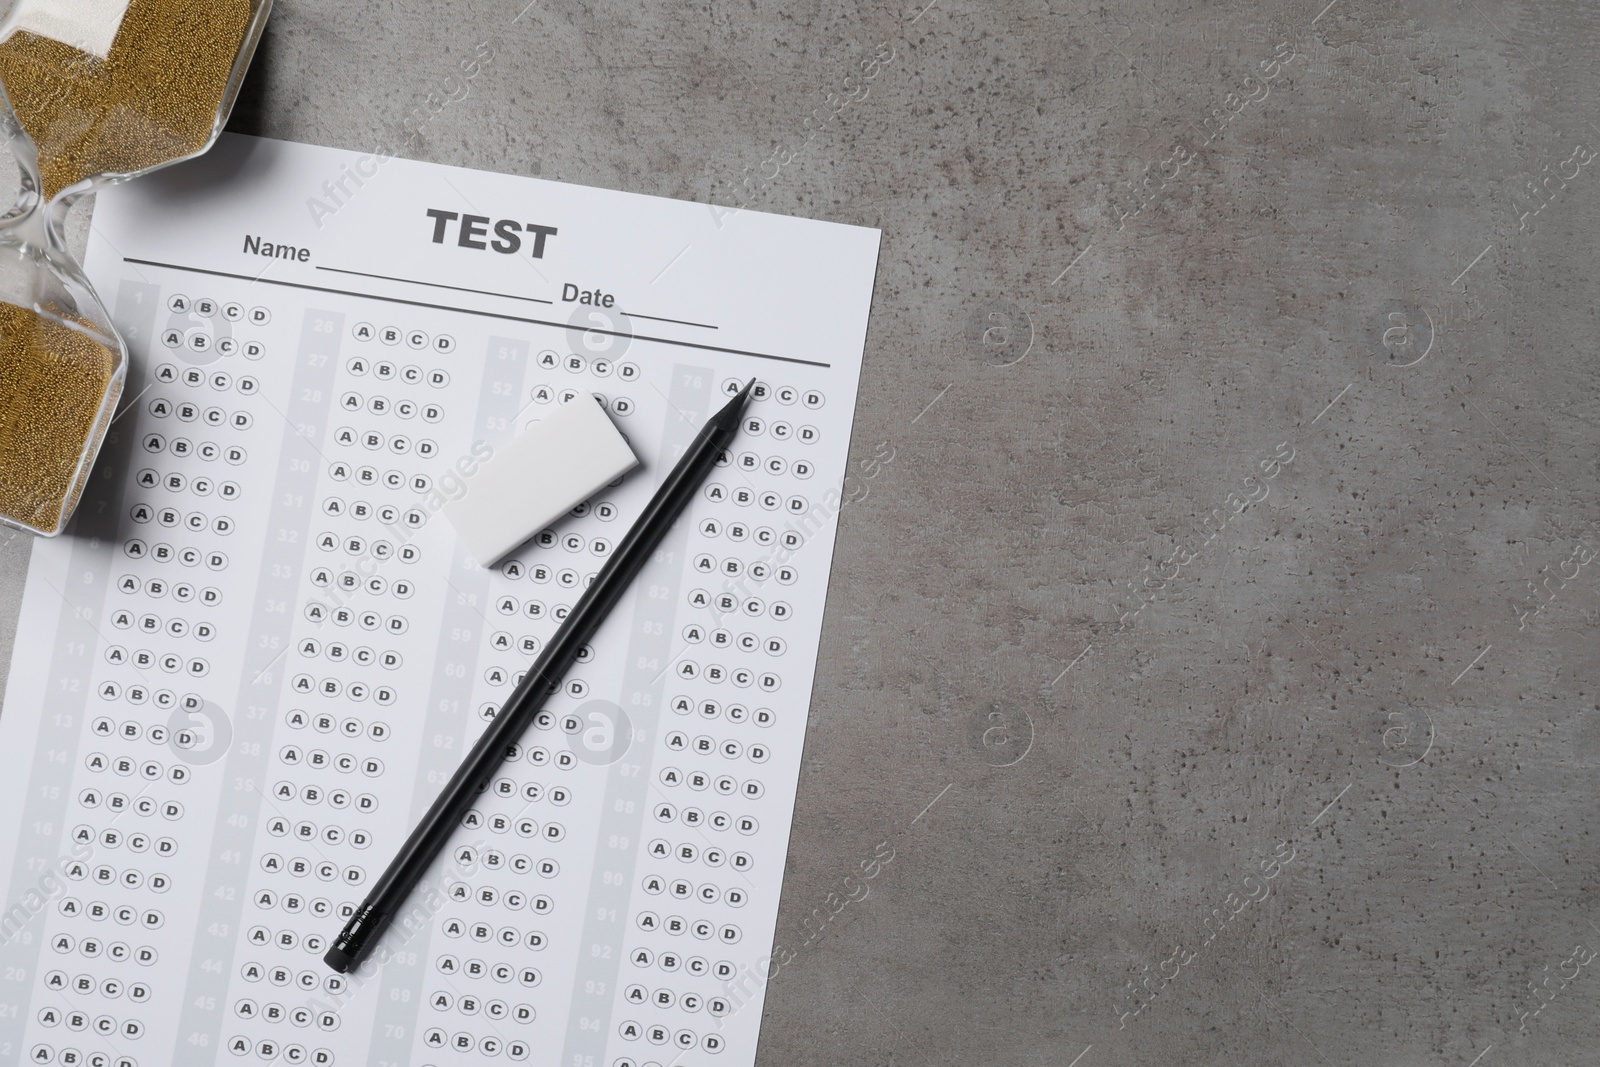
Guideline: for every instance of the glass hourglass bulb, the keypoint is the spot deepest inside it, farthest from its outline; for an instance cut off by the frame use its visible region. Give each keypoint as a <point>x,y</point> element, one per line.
<point>94,92</point>
<point>62,364</point>
<point>109,89</point>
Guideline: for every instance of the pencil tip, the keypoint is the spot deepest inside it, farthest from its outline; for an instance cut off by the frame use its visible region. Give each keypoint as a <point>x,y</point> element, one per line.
<point>732,412</point>
<point>736,403</point>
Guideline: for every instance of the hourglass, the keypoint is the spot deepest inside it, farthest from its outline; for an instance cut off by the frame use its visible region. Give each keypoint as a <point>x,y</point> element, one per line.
<point>95,91</point>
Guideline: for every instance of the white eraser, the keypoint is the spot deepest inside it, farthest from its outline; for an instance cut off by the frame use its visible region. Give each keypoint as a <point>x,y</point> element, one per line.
<point>535,477</point>
<point>87,25</point>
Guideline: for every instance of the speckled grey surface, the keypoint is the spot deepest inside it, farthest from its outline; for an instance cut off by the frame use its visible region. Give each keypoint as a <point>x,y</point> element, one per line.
<point>1068,372</point>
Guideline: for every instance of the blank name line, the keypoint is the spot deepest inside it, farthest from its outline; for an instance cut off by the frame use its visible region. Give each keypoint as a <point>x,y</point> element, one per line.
<point>658,318</point>
<point>436,285</point>
<point>474,311</point>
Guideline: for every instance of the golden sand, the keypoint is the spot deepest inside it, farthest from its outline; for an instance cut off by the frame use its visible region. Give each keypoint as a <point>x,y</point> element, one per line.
<point>52,379</point>
<point>154,98</point>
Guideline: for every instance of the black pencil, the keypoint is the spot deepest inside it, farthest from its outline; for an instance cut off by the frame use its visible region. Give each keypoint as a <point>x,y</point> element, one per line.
<point>543,678</point>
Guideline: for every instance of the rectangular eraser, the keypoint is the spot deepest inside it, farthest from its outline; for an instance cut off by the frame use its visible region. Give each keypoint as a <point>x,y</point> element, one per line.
<point>532,479</point>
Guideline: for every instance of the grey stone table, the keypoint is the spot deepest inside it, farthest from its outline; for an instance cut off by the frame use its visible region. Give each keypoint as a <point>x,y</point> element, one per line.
<point>1162,780</point>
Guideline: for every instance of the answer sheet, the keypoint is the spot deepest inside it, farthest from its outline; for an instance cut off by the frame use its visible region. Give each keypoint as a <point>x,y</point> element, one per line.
<point>259,651</point>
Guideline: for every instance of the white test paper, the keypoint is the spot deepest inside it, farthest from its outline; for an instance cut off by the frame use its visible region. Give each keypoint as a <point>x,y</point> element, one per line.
<point>259,651</point>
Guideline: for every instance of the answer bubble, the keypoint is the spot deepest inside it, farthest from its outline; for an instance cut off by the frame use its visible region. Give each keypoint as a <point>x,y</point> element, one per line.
<point>199,731</point>
<point>195,337</point>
